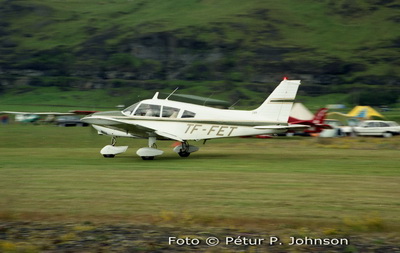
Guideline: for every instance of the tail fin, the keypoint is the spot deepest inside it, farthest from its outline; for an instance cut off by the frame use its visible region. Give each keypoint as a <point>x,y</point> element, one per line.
<point>320,116</point>
<point>278,105</point>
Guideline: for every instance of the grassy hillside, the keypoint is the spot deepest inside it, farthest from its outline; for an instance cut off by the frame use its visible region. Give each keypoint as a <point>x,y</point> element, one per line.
<point>71,22</point>
<point>323,25</point>
<point>334,46</point>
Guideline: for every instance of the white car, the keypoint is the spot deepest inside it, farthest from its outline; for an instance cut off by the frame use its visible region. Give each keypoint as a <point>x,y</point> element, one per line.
<point>374,128</point>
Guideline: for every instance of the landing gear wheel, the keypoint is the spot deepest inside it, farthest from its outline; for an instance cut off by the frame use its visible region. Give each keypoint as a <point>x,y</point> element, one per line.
<point>184,150</point>
<point>184,154</point>
<point>109,156</point>
<point>148,158</point>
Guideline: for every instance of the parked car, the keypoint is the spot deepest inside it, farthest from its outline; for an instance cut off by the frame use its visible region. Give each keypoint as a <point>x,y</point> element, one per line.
<point>69,121</point>
<point>374,128</point>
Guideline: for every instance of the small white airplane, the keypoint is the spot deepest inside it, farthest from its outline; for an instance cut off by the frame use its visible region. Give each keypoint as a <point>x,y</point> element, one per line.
<point>164,119</point>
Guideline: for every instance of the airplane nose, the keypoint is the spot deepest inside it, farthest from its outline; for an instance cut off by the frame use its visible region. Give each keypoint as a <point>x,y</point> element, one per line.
<point>90,119</point>
<point>100,117</point>
<point>86,117</point>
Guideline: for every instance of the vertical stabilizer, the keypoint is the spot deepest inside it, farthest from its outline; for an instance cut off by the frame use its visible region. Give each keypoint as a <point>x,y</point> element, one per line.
<point>278,105</point>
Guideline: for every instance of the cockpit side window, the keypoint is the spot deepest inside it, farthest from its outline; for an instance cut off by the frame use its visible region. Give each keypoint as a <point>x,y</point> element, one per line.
<point>188,114</point>
<point>148,110</point>
<point>129,110</point>
<point>170,112</point>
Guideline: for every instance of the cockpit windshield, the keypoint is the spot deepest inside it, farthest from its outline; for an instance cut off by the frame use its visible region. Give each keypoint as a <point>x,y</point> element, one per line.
<point>148,110</point>
<point>129,110</point>
<point>151,110</point>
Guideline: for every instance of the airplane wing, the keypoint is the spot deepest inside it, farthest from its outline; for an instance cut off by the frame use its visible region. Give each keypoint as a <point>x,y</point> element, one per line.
<point>38,113</point>
<point>82,112</point>
<point>169,136</point>
<point>133,128</point>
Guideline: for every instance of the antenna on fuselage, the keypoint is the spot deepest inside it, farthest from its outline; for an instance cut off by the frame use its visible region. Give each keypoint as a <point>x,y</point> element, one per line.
<point>205,101</point>
<point>172,93</point>
<point>232,106</point>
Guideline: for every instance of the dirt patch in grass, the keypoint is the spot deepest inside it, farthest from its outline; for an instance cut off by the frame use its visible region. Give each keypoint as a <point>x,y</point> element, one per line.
<point>119,237</point>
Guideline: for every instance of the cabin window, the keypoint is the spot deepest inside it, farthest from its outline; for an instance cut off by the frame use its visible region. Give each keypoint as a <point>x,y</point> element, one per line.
<point>169,112</point>
<point>129,110</point>
<point>148,110</point>
<point>188,114</point>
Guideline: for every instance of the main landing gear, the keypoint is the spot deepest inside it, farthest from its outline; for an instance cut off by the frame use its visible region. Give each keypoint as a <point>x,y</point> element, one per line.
<point>150,152</point>
<point>147,153</point>
<point>185,149</point>
<point>110,151</point>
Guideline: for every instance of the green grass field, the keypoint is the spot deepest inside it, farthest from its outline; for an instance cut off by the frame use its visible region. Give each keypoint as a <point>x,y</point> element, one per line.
<point>57,174</point>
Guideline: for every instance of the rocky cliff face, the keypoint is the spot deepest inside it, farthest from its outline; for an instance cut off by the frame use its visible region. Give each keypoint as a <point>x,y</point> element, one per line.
<point>249,48</point>
<point>167,57</point>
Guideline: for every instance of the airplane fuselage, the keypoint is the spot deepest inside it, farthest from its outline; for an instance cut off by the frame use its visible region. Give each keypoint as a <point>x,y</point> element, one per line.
<point>165,119</point>
<point>180,128</point>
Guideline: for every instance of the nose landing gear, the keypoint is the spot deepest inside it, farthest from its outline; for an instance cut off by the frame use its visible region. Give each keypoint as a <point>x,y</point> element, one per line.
<point>110,151</point>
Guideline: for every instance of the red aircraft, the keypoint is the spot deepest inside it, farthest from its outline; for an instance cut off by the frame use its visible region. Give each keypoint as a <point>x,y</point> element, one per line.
<point>316,124</point>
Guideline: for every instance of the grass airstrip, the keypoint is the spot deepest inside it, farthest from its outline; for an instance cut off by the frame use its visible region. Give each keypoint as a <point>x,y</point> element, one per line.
<point>57,174</point>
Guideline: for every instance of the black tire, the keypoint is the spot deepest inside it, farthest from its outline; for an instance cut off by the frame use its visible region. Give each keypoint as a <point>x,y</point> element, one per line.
<point>184,154</point>
<point>109,156</point>
<point>148,158</point>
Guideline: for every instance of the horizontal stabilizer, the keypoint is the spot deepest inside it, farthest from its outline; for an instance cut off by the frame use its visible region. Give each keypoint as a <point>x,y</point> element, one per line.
<point>324,126</point>
<point>297,127</point>
<point>309,123</point>
<point>290,127</point>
